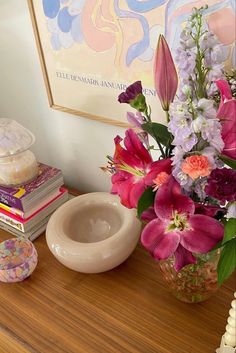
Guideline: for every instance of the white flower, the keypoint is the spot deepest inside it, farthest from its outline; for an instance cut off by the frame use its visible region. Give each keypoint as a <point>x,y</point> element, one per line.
<point>206,107</point>
<point>178,154</point>
<point>198,123</point>
<point>219,54</point>
<point>208,41</point>
<point>210,153</point>
<point>186,89</point>
<point>215,73</point>
<point>231,210</point>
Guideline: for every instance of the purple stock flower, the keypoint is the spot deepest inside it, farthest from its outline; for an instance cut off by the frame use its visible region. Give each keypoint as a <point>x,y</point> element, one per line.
<point>131,92</point>
<point>222,184</point>
<point>186,60</point>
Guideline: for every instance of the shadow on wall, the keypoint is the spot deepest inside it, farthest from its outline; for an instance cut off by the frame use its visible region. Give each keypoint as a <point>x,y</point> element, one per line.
<point>19,99</point>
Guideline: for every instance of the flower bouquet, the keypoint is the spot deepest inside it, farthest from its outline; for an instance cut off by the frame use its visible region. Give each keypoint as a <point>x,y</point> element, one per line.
<point>186,195</point>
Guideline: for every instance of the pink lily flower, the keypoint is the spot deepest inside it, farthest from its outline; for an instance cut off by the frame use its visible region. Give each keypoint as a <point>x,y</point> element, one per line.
<point>176,230</point>
<point>165,75</point>
<point>135,169</point>
<point>227,115</point>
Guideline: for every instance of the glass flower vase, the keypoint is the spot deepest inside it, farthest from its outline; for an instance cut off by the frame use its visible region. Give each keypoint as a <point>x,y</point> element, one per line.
<point>195,282</point>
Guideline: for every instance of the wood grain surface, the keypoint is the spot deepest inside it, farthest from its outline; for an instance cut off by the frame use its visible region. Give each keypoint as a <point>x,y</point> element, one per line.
<point>126,310</point>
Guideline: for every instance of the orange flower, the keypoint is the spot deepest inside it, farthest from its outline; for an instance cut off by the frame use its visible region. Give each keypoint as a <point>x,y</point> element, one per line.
<point>160,179</point>
<point>196,166</point>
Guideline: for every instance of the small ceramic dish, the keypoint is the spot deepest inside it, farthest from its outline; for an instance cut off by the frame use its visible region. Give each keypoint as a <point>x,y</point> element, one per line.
<point>18,259</point>
<point>93,233</point>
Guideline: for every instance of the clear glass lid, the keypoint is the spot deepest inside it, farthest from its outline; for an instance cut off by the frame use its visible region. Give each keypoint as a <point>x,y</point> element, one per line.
<point>14,138</point>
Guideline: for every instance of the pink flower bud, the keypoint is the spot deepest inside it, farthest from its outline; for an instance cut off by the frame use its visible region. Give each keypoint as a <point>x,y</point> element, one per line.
<point>165,75</point>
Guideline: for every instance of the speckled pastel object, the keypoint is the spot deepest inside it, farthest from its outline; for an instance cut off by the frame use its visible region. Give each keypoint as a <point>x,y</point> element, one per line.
<point>18,259</point>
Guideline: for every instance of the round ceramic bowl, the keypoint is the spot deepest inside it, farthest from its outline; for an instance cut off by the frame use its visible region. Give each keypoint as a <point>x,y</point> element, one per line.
<point>18,259</point>
<point>93,233</point>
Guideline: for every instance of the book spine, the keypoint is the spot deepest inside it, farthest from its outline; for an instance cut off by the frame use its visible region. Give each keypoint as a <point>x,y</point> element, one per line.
<point>12,210</point>
<point>12,222</point>
<point>11,201</point>
<point>10,229</point>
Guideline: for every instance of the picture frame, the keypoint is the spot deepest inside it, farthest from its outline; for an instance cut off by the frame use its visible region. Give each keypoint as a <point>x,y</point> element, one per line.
<point>91,50</point>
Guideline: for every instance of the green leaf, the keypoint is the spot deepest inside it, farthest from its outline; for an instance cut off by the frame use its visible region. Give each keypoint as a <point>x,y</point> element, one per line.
<point>145,201</point>
<point>230,230</point>
<point>139,103</point>
<point>159,132</point>
<point>227,262</point>
<point>230,162</point>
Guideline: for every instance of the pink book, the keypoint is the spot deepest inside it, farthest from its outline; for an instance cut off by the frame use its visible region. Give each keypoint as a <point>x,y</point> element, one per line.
<point>46,201</point>
<point>24,224</point>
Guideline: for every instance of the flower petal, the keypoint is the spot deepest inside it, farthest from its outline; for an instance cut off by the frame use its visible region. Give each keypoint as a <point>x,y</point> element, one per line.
<point>208,210</point>
<point>204,234</point>
<point>227,115</point>
<point>136,148</point>
<point>169,199</point>
<point>165,75</point>
<point>117,179</point>
<point>183,257</point>
<point>122,156</point>
<point>131,92</point>
<point>148,215</point>
<point>122,186</point>
<point>135,120</point>
<point>164,165</point>
<point>160,244</point>
<point>224,89</point>
<point>136,191</point>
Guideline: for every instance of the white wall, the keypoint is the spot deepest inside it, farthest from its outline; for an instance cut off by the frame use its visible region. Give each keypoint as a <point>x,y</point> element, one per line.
<point>76,145</point>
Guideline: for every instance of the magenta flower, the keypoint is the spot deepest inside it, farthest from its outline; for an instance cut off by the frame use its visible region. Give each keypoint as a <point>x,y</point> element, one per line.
<point>208,210</point>
<point>222,184</point>
<point>135,169</point>
<point>225,91</point>
<point>131,92</point>
<point>165,75</point>
<point>176,230</point>
<point>227,115</point>
<point>134,97</point>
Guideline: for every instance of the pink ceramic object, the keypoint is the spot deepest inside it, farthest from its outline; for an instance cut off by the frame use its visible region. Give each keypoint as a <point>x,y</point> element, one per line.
<point>93,233</point>
<point>18,259</point>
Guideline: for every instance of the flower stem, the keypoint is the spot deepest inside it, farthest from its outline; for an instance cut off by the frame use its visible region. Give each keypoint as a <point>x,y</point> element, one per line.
<point>167,116</point>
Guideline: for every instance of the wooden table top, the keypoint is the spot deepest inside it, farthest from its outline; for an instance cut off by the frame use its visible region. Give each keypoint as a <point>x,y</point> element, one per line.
<point>126,310</point>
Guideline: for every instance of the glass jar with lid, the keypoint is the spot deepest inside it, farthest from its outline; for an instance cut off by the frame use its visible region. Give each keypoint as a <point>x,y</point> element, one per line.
<point>18,164</point>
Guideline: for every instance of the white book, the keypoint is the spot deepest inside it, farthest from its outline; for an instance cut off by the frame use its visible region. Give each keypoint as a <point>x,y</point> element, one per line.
<point>32,234</point>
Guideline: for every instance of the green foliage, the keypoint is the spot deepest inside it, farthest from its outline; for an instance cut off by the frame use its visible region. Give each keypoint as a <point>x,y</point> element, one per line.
<point>145,201</point>
<point>230,230</point>
<point>230,162</point>
<point>227,262</point>
<point>159,132</point>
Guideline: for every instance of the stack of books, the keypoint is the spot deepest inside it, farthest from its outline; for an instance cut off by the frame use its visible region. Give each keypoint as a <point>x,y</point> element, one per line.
<point>25,210</point>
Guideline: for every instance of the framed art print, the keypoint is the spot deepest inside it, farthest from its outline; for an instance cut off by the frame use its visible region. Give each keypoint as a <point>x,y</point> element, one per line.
<point>91,50</point>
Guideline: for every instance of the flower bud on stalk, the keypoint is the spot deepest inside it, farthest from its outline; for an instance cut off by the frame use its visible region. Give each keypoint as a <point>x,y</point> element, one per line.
<point>165,75</point>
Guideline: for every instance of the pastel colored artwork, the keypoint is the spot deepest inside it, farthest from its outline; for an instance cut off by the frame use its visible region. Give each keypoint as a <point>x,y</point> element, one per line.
<point>93,49</point>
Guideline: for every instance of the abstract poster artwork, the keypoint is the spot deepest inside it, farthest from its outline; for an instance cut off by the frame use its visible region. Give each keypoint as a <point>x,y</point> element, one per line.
<point>91,50</point>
